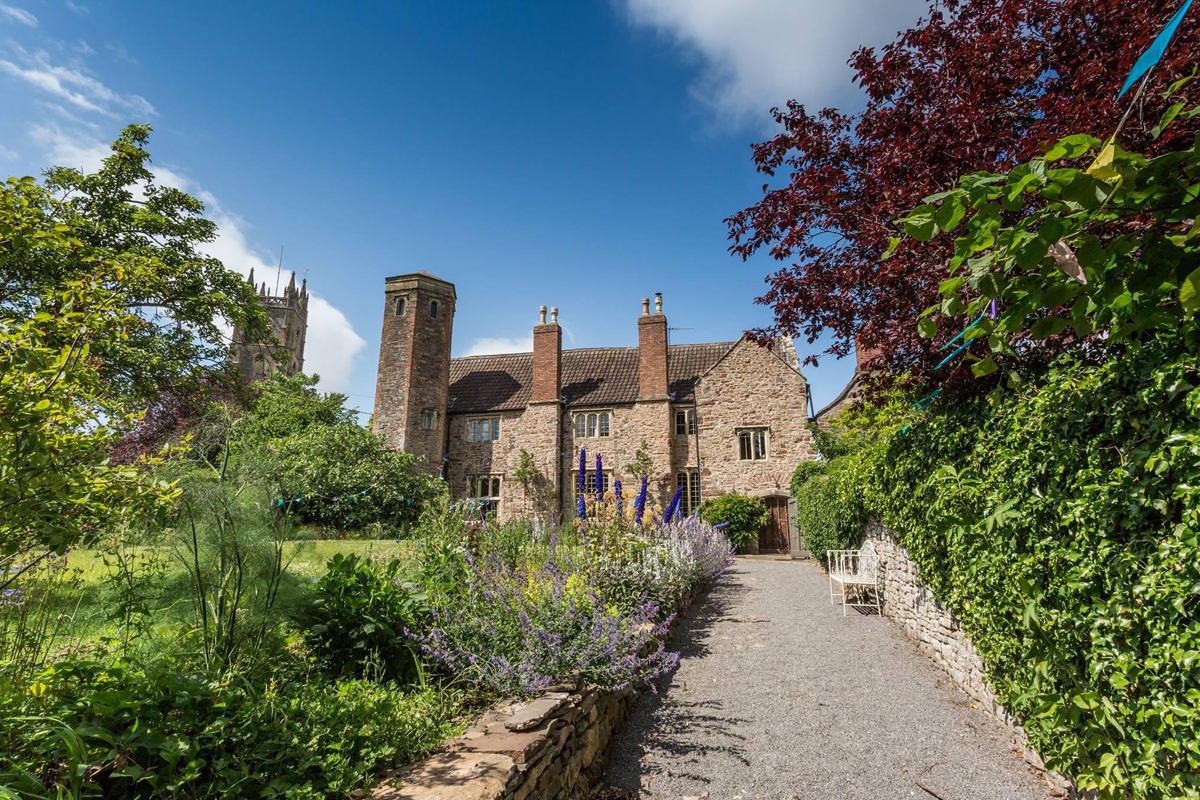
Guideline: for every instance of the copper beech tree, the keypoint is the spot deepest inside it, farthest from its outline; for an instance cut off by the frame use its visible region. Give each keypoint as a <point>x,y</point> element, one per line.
<point>976,85</point>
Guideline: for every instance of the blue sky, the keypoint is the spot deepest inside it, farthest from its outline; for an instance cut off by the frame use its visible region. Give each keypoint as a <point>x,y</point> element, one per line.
<point>577,154</point>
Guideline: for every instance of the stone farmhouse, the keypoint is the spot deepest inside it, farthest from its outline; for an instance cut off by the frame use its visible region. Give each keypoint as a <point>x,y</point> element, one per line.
<point>713,418</point>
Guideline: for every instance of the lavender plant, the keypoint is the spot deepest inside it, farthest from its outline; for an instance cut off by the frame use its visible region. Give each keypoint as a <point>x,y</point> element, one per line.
<point>518,630</point>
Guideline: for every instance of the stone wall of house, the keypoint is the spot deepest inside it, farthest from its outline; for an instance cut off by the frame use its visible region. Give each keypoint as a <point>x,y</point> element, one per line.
<point>532,428</point>
<point>751,387</point>
<point>629,426</point>
<point>912,606</point>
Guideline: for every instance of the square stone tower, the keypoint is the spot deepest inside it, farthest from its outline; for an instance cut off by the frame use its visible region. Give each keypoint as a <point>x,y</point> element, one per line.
<point>414,366</point>
<point>289,325</point>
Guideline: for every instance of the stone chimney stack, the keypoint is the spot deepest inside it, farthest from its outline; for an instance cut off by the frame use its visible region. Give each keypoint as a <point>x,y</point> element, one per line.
<point>547,358</point>
<point>863,354</point>
<point>652,351</point>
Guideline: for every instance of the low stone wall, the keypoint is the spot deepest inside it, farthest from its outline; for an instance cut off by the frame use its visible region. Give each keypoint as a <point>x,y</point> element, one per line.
<point>551,747</point>
<point>912,606</point>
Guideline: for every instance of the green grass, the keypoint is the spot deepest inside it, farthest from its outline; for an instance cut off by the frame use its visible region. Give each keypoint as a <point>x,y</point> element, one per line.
<point>168,591</point>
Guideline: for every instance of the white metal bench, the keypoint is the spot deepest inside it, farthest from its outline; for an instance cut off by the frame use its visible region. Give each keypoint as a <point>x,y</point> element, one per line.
<point>854,572</point>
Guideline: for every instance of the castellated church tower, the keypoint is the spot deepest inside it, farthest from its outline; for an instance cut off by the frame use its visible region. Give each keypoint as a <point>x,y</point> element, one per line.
<point>413,386</point>
<point>289,324</point>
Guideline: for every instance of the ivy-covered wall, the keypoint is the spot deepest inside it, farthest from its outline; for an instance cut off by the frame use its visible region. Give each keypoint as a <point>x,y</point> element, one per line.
<point>1061,526</point>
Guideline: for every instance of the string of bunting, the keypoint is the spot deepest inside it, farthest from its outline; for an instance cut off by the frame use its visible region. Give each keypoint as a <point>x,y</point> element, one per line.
<point>337,499</point>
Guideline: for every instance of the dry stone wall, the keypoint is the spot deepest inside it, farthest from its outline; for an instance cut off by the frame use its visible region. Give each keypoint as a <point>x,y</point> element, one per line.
<point>912,606</point>
<point>553,747</point>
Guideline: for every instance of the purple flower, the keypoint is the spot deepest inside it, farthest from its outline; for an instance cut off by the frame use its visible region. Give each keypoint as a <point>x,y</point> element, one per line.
<point>617,496</point>
<point>673,505</point>
<point>599,478</point>
<point>639,502</point>
<point>581,508</point>
<point>582,470</point>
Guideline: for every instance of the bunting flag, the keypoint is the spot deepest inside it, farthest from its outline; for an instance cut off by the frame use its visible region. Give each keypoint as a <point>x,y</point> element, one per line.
<point>1155,52</point>
<point>308,497</point>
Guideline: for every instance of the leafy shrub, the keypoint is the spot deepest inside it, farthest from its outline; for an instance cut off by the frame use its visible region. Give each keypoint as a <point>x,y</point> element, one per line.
<point>1061,526</point>
<point>598,609</point>
<point>744,515</point>
<point>662,567</point>
<point>128,729</point>
<point>806,470</point>
<point>357,615</point>
<point>286,406</point>
<point>825,520</point>
<point>344,476</point>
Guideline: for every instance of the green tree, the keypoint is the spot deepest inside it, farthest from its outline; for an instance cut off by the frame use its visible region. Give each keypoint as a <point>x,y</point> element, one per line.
<point>286,406</point>
<point>642,465</point>
<point>122,215</point>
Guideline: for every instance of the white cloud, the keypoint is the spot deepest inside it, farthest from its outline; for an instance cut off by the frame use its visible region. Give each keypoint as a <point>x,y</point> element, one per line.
<point>755,54</point>
<point>490,345</point>
<point>18,15</point>
<point>332,345</point>
<point>73,85</point>
<point>82,10</point>
<point>83,47</point>
<point>7,154</point>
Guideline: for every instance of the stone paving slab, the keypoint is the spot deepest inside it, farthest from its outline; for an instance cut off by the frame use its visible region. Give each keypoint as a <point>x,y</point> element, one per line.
<point>780,696</point>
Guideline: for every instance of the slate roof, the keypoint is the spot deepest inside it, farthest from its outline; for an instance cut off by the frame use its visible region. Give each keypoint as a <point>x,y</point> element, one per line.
<point>590,377</point>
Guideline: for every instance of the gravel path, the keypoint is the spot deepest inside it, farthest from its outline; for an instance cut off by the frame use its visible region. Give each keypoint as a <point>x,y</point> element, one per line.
<point>779,696</point>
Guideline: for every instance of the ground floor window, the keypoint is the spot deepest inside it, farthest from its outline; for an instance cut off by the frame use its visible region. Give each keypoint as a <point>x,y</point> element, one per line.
<point>485,490</point>
<point>689,500</point>
<point>589,482</point>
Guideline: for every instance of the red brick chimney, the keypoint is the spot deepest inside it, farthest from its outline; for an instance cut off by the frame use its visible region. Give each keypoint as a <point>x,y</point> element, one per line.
<point>652,351</point>
<point>547,358</point>
<point>863,354</point>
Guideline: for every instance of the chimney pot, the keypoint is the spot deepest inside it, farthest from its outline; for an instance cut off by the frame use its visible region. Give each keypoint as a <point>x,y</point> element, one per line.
<point>658,302</point>
<point>645,306</point>
<point>542,317</point>
<point>554,315</point>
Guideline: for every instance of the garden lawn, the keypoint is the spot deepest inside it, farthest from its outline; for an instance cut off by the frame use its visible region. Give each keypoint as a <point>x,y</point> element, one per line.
<point>91,608</point>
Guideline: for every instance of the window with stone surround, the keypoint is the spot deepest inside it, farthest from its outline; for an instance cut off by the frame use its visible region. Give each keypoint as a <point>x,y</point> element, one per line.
<point>428,419</point>
<point>433,309</point>
<point>401,306</point>
<point>752,444</point>
<point>483,429</point>
<point>685,422</point>
<point>485,490</point>
<point>689,480</point>
<point>589,482</point>
<point>592,425</point>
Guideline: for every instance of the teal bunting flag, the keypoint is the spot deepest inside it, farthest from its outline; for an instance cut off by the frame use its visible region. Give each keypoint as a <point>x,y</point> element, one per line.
<point>1155,52</point>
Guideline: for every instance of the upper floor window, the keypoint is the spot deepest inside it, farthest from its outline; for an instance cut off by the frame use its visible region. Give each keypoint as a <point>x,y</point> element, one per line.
<point>591,425</point>
<point>433,309</point>
<point>689,500</point>
<point>401,306</point>
<point>752,444</point>
<point>428,419</point>
<point>483,429</point>
<point>685,422</point>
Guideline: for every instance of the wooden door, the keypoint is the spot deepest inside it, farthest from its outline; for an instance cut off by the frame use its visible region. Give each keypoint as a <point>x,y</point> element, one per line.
<point>773,538</point>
